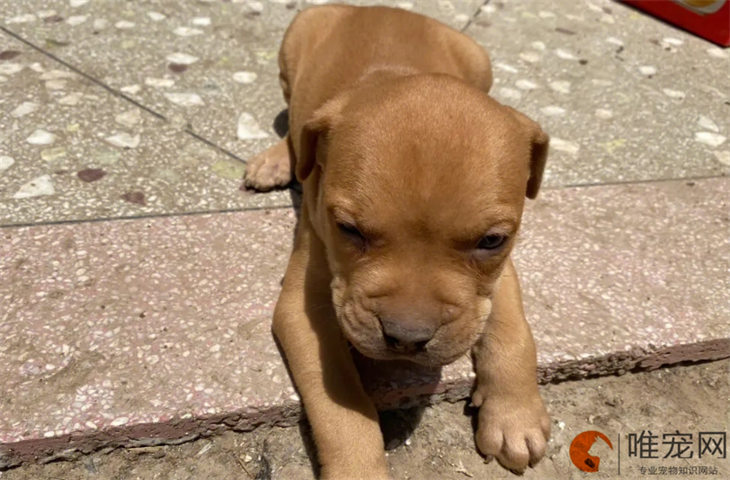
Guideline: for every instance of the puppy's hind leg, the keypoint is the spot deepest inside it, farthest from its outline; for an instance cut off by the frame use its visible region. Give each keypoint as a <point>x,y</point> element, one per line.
<point>271,168</point>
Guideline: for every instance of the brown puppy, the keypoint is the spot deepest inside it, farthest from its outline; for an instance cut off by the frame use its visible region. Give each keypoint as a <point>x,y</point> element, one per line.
<point>413,188</point>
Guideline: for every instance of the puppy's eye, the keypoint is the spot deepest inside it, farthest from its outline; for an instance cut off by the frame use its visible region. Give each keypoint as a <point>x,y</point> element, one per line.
<point>491,242</point>
<point>352,233</point>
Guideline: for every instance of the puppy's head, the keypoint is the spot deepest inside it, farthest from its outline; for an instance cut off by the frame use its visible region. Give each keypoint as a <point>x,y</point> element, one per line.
<point>416,187</point>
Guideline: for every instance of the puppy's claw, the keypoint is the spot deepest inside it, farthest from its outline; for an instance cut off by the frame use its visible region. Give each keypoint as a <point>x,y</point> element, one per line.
<point>488,458</point>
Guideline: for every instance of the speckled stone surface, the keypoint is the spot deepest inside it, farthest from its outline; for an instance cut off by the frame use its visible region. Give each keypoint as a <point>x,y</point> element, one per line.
<point>72,151</point>
<point>614,100</point>
<point>140,331</point>
<point>127,323</point>
<point>210,62</point>
<point>624,97</point>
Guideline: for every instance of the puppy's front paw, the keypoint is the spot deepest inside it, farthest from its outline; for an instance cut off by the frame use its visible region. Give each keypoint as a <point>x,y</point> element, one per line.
<point>515,431</point>
<point>270,169</point>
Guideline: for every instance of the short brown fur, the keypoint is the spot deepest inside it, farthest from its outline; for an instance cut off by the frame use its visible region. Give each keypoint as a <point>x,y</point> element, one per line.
<point>407,166</point>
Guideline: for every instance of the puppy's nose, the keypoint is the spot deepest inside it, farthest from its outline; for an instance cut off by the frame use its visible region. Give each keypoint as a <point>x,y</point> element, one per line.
<point>402,337</point>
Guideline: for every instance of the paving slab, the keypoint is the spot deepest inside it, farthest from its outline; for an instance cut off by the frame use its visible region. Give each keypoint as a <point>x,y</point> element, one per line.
<point>624,96</point>
<point>70,150</point>
<point>602,80</point>
<point>212,67</point>
<point>137,332</point>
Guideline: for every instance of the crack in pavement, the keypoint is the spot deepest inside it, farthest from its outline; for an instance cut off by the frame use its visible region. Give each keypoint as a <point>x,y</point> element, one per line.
<point>474,16</point>
<point>119,94</point>
<point>142,217</point>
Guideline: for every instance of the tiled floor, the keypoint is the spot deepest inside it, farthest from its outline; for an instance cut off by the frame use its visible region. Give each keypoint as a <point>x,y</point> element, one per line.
<point>91,154</point>
<point>129,316</point>
<point>624,96</point>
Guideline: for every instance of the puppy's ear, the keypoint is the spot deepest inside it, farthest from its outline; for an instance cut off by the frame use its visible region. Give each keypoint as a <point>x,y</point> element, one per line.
<point>314,136</point>
<point>538,152</point>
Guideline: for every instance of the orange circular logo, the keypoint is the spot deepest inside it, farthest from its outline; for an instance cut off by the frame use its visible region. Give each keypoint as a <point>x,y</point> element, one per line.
<point>580,446</point>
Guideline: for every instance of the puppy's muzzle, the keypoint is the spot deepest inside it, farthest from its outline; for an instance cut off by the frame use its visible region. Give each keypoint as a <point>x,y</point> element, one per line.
<point>406,337</point>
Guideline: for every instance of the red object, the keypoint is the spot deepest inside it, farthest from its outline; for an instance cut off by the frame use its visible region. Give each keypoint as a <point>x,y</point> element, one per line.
<point>710,19</point>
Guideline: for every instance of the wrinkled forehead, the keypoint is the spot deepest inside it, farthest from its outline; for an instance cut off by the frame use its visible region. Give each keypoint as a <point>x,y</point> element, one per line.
<point>434,173</point>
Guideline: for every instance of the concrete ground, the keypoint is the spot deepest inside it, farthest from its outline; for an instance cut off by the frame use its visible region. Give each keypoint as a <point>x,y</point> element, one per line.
<point>436,443</point>
<point>138,278</point>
